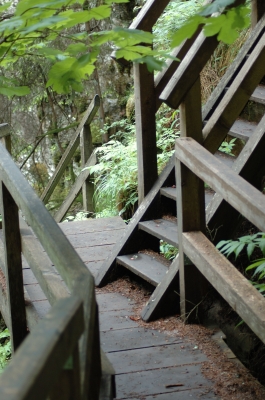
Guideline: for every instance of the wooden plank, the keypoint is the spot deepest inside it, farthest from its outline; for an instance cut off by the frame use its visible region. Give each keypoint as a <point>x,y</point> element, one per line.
<point>257,11</point>
<point>75,189</point>
<point>113,302</point>
<point>54,243</point>
<point>145,122</point>
<point>189,70</point>
<point>94,253</point>
<point>13,271</point>
<point>258,95</point>
<point>232,71</point>
<point>172,194</point>
<point>235,98</point>
<point>93,225</point>
<point>249,165</point>
<point>86,147</point>
<point>234,189</point>
<point>129,243</point>
<point>42,307</point>
<point>135,338</point>
<point>52,286</point>
<point>153,306</point>
<point>227,280</point>
<point>149,14</point>
<point>242,129</point>
<point>71,148</point>
<point>149,358</point>
<point>38,361</point>
<point>95,239</point>
<point>113,320</point>
<point>4,130</point>
<point>162,78</point>
<point>184,395</point>
<point>145,266</point>
<point>162,229</point>
<point>150,382</point>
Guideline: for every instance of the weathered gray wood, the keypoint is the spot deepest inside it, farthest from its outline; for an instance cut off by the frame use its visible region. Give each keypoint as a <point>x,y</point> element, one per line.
<point>234,189</point>
<point>127,244</point>
<point>75,189</point>
<point>107,384</point>
<point>171,193</point>
<point>145,266</point>
<point>4,130</point>
<point>228,281</point>
<point>189,70</point>
<point>235,98</point>
<point>257,11</point>
<point>162,229</point>
<point>95,225</point>
<point>49,280</point>
<point>232,70</point>
<point>190,204</point>
<point>149,14</point>
<point>113,320</point>
<point>171,280</point>
<point>242,129</point>
<point>113,301</point>
<point>69,152</point>
<point>249,165</point>
<point>13,268</point>
<point>135,338</point>
<point>163,77</point>
<point>258,95</point>
<point>150,382</point>
<point>145,359</point>
<point>145,109</point>
<point>39,360</point>
<point>86,146</point>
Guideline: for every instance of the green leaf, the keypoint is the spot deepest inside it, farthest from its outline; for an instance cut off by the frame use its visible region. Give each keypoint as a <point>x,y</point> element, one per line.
<point>214,25</point>
<point>250,248</point>
<point>45,23</point>
<point>76,48</point>
<point>5,6</point>
<point>187,30</point>
<point>15,91</point>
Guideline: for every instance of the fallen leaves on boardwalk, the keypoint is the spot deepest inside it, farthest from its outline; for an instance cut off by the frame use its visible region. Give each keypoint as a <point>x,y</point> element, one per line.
<point>231,379</point>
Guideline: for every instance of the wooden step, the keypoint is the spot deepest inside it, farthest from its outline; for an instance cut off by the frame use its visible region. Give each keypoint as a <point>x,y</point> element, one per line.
<point>162,229</point>
<point>171,193</point>
<point>259,95</point>
<point>146,266</point>
<point>242,129</point>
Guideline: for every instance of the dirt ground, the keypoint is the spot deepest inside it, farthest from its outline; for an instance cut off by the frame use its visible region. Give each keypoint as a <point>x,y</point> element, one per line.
<point>231,379</point>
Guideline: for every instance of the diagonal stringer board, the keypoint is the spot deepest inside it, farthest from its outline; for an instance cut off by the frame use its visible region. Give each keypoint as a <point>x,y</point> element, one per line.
<point>248,164</point>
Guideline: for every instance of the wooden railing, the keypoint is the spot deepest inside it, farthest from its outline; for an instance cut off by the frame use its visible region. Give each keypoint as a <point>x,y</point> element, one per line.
<point>169,86</point>
<point>195,165</point>
<point>61,357</point>
<point>83,137</point>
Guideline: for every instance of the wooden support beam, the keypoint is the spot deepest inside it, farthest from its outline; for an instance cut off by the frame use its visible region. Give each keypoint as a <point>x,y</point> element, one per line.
<point>234,189</point>
<point>249,165</point>
<point>257,11</point>
<point>75,189</point>
<point>86,147</point>
<point>13,268</point>
<point>190,205</point>
<point>235,98</point>
<point>149,14</point>
<point>189,69</point>
<point>69,152</point>
<point>145,120</point>
<point>227,280</point>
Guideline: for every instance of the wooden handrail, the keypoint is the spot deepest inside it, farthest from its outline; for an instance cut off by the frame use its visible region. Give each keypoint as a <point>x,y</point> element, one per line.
<point>78,280</point>
<point>69,152</point>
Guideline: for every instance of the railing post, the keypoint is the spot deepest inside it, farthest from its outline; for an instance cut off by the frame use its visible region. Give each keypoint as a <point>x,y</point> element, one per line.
<point>86,147</point>
<point>145,110</point>
<point>5,136</point>
<point>190,206</point>
<point>13,268</point>
<point>258,10</point>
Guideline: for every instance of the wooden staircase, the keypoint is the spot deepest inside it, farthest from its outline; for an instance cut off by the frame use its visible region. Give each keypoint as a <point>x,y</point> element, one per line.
<point>219,117</point>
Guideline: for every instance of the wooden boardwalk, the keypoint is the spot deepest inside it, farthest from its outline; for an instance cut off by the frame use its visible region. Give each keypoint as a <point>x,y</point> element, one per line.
<point>148,364</point>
